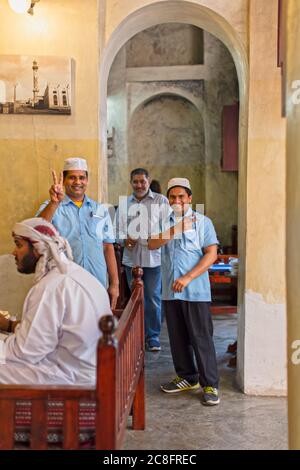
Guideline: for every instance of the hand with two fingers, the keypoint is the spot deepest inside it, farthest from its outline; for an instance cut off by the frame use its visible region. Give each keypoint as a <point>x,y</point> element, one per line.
<point>57,190</point>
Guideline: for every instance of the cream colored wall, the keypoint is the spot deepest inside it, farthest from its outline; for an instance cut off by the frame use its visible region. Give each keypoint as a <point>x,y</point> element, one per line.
<point>263,326</point>
<point>293,224</point>
<point>32,145</point>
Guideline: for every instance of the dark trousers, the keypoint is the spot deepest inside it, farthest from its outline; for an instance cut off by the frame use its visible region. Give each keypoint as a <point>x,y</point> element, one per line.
<point>190,331</point>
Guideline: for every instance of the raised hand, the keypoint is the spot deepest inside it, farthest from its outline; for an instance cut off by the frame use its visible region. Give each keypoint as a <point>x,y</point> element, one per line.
<point>57,191</point>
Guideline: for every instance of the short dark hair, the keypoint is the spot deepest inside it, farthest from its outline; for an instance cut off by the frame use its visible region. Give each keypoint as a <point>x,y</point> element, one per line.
<point>65,173</point>
<point>188,190</point>
<point>139,171</point>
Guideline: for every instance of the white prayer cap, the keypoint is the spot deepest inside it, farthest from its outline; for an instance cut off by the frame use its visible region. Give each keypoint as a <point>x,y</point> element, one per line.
<point>75,163</point>
<point>183,182</point>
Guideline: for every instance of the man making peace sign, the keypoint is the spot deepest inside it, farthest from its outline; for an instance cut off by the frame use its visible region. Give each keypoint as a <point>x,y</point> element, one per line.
<point>85,223</point>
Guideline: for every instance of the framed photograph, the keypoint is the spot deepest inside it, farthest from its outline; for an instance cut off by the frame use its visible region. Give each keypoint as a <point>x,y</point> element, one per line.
<point>35,85</point>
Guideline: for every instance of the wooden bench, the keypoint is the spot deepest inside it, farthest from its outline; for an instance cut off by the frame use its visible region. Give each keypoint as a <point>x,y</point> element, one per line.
<point>119,388</point>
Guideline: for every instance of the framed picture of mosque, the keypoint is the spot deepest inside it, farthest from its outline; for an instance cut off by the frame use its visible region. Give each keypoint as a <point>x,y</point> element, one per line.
<point>35,85</point>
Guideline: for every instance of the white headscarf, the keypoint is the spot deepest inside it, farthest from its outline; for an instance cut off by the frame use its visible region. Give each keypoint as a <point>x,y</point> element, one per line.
<point>47,242</point>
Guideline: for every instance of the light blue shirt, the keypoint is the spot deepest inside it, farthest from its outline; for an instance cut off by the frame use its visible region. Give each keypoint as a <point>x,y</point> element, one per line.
<point>182,254</point>
<point>138,219</point>
<point>85,228</point>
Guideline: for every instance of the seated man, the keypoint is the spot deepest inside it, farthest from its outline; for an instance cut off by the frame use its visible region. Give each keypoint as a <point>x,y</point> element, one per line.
<point>56,340</point>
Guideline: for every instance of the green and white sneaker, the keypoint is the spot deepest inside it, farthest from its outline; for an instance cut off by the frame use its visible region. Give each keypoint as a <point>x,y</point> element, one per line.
<point>179,385</point>
<point>210,396</point>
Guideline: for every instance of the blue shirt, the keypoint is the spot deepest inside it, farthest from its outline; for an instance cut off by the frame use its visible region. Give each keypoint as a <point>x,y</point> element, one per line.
<point>85,228</point>
<point>181,254</point>
<point>138,219</point>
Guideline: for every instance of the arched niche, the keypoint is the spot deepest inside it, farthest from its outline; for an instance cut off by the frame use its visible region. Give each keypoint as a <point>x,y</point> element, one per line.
<point>166,135</point>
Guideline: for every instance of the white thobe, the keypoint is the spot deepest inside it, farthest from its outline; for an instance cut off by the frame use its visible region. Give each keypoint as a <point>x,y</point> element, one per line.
<point>56,340</point>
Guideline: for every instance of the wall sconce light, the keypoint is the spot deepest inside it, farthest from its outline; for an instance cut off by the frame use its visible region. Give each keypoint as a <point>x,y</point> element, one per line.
<point>21,6</point>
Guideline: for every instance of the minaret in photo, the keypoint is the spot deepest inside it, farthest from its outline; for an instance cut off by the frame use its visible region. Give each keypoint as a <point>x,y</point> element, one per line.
<point>35,82</point>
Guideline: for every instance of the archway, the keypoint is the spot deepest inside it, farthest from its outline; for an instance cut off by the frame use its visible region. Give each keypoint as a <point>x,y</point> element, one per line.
<point>204,18</point>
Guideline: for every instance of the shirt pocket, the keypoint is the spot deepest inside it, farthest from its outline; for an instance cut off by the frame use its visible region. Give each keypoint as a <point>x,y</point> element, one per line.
<point>96,224</point>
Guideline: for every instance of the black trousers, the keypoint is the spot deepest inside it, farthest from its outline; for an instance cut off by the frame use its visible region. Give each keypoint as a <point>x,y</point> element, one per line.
<point>190,331</point>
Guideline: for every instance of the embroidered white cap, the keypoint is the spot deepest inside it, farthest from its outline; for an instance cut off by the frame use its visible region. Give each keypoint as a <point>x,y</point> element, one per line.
<point>183,182</point>
<point>75,163</point>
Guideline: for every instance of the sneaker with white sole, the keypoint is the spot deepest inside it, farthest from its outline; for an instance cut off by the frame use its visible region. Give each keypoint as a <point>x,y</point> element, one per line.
<point>179,385</point>
<point>210,396</point>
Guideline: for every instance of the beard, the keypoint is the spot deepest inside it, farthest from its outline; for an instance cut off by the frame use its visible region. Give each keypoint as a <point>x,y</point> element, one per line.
<point>28,263</point>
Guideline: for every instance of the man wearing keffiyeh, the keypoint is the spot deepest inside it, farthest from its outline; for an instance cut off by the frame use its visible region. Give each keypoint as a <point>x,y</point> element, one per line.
<point>55,342</point>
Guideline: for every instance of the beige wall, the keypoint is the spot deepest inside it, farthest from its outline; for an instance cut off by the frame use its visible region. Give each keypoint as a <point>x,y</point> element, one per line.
<point>293,224</point>
<point>32,145</point>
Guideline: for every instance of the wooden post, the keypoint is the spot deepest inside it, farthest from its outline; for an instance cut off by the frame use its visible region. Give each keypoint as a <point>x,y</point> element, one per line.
<point>106,420</point>
<point>138,409</point>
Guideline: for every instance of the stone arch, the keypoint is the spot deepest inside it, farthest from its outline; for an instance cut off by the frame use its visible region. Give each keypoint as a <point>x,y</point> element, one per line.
<point>170,11</point>
<point>197,102</point>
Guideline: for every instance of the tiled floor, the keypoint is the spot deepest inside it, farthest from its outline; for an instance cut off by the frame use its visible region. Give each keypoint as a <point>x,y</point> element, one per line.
<point>181,422</point>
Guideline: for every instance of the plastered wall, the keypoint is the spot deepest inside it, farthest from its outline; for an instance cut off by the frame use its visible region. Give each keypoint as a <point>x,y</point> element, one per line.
<point>168,44</point>
<point>293,225</point>
<point>31,145</point>
<point>262,329</point>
